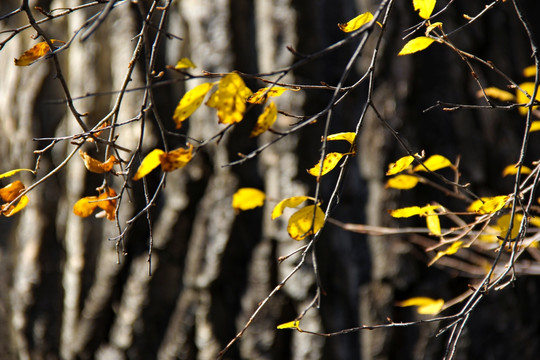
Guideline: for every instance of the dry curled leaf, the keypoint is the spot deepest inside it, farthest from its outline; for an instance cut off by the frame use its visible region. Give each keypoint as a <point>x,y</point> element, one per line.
<point>34,53</point>
<point>97,166</point>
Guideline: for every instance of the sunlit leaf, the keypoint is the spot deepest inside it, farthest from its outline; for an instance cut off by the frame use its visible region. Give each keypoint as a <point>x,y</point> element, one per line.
<point>512,170</point>
<point>412,211</point>
<point>402,182</point>
<point>433,26</point>
<point>400,165</point>
<point>149,163</point>
<point>106,201</point>
<point>190,102</point>
<point>290,325</point>
<point>35,52</point>
<point>85,207</point>
<point>10,192</point>
<point>263,94</point>
<point>417,44</point>
<point>424,7</point>
<point>329,163</point>
<point>230,99</point>
<point>426,306</point>
<point>451,250</point>
<point>356,23</point>
<point>347,136</point>
<point>496,93</point>
<point>13,172</point>
<point>521,98</point>
<point>291,202</point>
<point>504,224</point>
<point>247,199</point>
<point>184,63</point>
<point>434,163</point>
<point>265,120</point>
<point>535,126</point>
<point>175,159</point>
<point>12,210</point>
<point>433,223</point>
<point>488,205</point>
<point>529,71</point>
<point>301,223</point>
<point>97,166</point>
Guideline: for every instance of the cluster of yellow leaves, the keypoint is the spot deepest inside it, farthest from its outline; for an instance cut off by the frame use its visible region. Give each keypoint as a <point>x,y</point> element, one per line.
<point>169,161</point>
<point>425,9</point>
<point>34,53</point>
<point>332,159</point>
<point>12,191</point>
<point>106,200</point>
<point>409,181</point>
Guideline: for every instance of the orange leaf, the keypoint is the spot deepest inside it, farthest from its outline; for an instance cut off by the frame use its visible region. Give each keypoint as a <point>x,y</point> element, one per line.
<point>21,204</point>
<point>34,53</point>
<point>97,166</point>
<point>106,201</point>
<point>85,207</point>
<point>9,192</point>
<point>176,159</point>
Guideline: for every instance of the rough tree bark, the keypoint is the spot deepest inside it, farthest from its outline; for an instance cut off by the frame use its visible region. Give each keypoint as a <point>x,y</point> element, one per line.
<point>66,292</point>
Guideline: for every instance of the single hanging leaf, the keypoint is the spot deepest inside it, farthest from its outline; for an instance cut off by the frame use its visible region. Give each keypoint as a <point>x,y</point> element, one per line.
<point>97,166</point>
<point>434,163</point>
<point>535,126</point>
<point>424,7</point>
<point>356,23</point>
<point>503,223</point>
<point>291,202</point>
<point>402,182</point>
<point>34,53</point>
<point>230,99</point>
<point>329,163</point>
<point>85,207</point>
<point>190,102</point>
<point>433,223</point>
<point>149,163</point>
<point>184,63</point>
<point>347,136</point>
<point>496,93</point>
<point>12,210</point>
<point>263,94</point>
<point>488,205</point>
<point>301,223</point>
<point>175,159</point>
<point>290,325</point>
<point>415,45</point>
<point>426,306</point>
<point>13,172</point>
<point>512,170</point>
<point>247,199</point>
<point>413,210</point>
<point>529,71</point>
<point>106,201</point>
<point>265,120</point>
<point>400,165</point>
<point>521,98</point>
<point>10,192</point>
<point>451,250</point>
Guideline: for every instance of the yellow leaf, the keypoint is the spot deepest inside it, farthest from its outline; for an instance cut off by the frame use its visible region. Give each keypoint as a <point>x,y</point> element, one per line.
<point>301,223</point>
<point>291,202</point>
<point>400,165</point>
<point>247,199</point>
<point>434,163</point>
<point>329,163</point>
<point>413,210</point>
<point>529,71</point>
<point>347,136</point>
<point>497,93</point>
<point>35,52</point>
<point>424,7</point>
<point>426,306</point>
<point>190,102</point>
<point>451,250</point>
<point>535,126</point>
<point>13,172</point>
<point>184,63</point>
<point>417,44</point>
<point>10,192</point>
<point>488,205</point>
<point>356,23</point>
<point>21,204</point>
<point>97,166</point>
<point>290,325</point>
<point>504,224</point>
<point>230,99</point>
<point>521,98</point>
<point>85,207</point>
<point>106,201</point>
<point>512,170</point>
<point>149,163</point>
<point>402,182</point>
<point>265,120</point>
<point>263,94</point>
<point>433,223</point>
<point>175,159</point>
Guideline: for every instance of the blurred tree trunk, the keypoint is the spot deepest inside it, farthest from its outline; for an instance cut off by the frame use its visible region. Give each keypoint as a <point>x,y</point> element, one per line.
<point>67,294</point>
